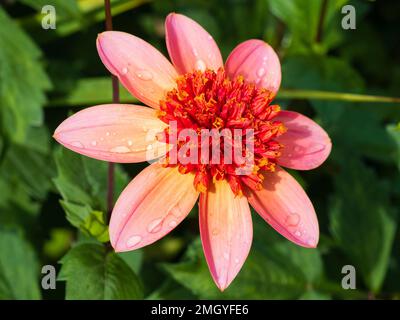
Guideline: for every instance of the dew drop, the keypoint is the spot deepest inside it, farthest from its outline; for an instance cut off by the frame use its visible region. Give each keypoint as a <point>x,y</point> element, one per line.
<point>77,144</point>
<point>260,72</point>
<point>133,241</point>
<point>236,260</point>
<point>155,225</point>
<point>144,75</point>
<point>172,224</point>
<point>226,255</point>
<point>311,242</point>
<point>195,53</point>
<point>124,70</point>
<point>107,134</point>
<point>292,219</point>
<point>149,147</point>
<point>200,65</point>
<point>130,143</point>
<point>94,143</point>
<point>120,149</point>
<point>297,233</point>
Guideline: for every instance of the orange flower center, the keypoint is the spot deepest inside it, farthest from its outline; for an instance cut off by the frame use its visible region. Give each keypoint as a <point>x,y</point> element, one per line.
<point>221,128</point>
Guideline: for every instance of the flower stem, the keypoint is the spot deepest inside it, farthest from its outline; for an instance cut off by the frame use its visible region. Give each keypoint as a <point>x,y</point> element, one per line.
<point>115,90</point>
<point>333,96</point>
<point>324,6</point>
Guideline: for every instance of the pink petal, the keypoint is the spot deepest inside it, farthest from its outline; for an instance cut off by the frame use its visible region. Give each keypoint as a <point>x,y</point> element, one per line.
<point>141,68</point>
<point>153,204</point>
<point>257,62</point>
<point>286,207</point>
<point>306,144</point>
<point>190,46</point>
<point>113,132</point>
<point>226,232</point>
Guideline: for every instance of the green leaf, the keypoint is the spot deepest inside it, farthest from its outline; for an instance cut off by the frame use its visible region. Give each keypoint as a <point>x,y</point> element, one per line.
<point>92,272</point>
<point>18,268</point>
<point>133,259</point>
<point>82,183</point>
<point>302,18</point>
<point>92,91</point>
<point>275,269</point>
<point>29,164</point>
<point>362,221</point>
<point>22,81</point>
<point>89,221</point>
<point>64,9</point>
<point>83,180</point>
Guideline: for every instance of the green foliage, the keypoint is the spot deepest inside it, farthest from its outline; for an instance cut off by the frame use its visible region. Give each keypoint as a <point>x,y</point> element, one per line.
<point>363,221</point>
<point>82,183</point>
<point>22,81</point>
<point>92,272</point>
<point>53,201</point>
<point>18,267</point>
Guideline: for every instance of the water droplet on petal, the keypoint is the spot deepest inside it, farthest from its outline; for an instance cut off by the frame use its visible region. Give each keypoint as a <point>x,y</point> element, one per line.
<point>200,65</point>
<point>120,149</point>
<point>226,255</point>
<point>260,72</point>
<point>298,149</point>
<point>94,143</point>
<point>297,233</point>
<point>77,144</point>
<point>144,75</point>
<point>133,241</point>
<point>195,53</point>
<point>124,71</point>
<point>236,260</point>
<point>292,219</point>
<point>149,147</point>
<point>155,225</point>
<point>311,242</point>
<point>172,224</point>
<point>107,134</point>
<point>130,143</point>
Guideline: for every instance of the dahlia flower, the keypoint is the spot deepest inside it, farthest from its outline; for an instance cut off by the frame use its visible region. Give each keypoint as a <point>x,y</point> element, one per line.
<point>197,91</point>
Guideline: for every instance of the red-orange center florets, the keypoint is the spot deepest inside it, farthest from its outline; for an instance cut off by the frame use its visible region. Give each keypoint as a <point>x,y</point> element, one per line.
<point>211,101</point>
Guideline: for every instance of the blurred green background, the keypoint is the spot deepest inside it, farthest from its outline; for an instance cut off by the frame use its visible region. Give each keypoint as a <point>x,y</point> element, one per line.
<point>53,202</point>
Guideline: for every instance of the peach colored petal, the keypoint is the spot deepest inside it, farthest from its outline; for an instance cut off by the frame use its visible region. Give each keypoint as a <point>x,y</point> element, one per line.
<point>226,232</point>
<point>190,46</point>
<point>306,144</point>
<point>286,207</point>
<point>140,67</point>
<point>153,204</point>
<point>113,132</point>
<point>257,62</point>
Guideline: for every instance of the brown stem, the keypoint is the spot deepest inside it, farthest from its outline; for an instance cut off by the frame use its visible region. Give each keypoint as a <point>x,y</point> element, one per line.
<point>115,90</point>
<point>324,6</point>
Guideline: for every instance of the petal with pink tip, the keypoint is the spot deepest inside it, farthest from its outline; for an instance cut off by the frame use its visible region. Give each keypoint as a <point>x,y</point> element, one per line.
<point>113,132</point>
<point>226,232</point>
<point>305,144</point>
<point>190,46</point>
<point>257,62</point>
<point>283,203</point>
<point>140,67</point>
<point>153,204</point>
